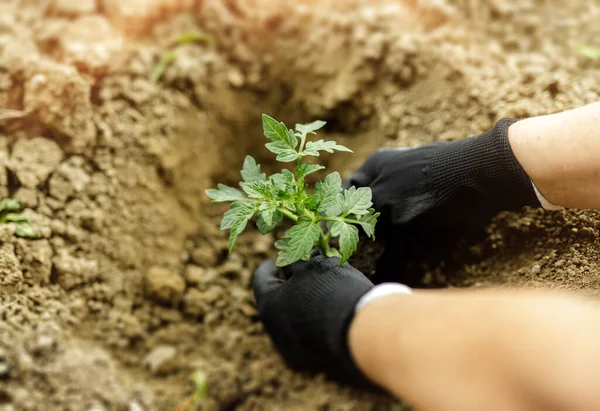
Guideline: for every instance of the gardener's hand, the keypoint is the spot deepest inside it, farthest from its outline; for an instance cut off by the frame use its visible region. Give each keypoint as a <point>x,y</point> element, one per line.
<point>307,316</point>
<point>432,195</point>
<point>447,186</point>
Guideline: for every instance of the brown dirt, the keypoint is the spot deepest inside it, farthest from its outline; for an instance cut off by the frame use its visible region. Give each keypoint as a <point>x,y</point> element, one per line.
<point>130,290</point>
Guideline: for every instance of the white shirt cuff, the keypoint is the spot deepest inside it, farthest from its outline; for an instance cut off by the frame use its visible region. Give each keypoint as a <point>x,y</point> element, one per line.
<point>379,291</point>
<point>545,203</point>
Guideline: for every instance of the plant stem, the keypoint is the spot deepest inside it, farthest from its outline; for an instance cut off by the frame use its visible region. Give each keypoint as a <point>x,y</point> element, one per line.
<point>334,219</point>
<point>324,242</point>
<point>288,214</point>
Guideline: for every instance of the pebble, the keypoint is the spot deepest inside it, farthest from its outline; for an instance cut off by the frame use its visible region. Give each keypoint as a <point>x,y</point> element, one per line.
<point>164,285</point>
<point>204,256</point>
<point>161,360</point>
<point>536,268</point>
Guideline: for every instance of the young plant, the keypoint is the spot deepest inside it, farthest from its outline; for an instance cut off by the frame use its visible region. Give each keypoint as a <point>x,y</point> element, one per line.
<point>319,214</point>
<point>9,208</point>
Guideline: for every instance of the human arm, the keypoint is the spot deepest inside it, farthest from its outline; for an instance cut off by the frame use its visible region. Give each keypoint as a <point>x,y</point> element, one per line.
<point>561,154</point>
<point>482,350</point>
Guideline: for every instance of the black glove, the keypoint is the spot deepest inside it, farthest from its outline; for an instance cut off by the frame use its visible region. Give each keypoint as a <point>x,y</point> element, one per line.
<point>307,316</point>
<point>443,190</point>
<point>458,184</point>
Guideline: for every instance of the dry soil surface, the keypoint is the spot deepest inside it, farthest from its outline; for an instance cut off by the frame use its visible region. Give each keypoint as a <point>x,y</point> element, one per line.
<point>130,290</point>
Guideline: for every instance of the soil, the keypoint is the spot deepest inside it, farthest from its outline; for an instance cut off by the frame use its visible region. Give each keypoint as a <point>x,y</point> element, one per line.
<point>130,289</point>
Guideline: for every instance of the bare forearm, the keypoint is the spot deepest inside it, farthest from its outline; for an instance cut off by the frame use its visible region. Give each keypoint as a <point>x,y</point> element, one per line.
<point>561,154</point>
<point>468,350</point>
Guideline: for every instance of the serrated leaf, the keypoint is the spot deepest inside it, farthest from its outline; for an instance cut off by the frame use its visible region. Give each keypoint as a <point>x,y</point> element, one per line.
<point>268,218</point>
<point>368,222</point>
<point>258,189</point>
<point>311,202</point>
<point>355,201</point>
<point>298,242</point>
<point>224,193</point>
<point>236,219</point>
<point>304,129</point>
<point>348,238</point>
<point>25,230</point>
<point>9,204</point>
<point>284,153</point>
<point>278,132</point>
<point>313,147</point>
<point>307,168</point>
<point>327,191</point>
<point>251,171</point>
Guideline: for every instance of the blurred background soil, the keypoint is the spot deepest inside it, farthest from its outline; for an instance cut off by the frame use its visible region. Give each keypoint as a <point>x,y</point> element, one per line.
<point>130,289</point>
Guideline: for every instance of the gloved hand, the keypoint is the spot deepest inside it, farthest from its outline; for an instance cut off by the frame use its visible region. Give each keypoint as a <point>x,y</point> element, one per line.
<point>307,316</point>
<point>434,193</point>
<point>453,185</point>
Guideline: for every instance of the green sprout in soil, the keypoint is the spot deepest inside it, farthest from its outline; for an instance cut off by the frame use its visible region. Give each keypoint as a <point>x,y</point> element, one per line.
<point>169,57</point>
<point>589,52</point>
<point>320,214</point>
<point>9,208</point>
<point>200,380</point>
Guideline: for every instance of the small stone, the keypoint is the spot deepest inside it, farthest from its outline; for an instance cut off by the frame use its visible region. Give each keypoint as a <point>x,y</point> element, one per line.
<point>164,285</point>
<point>536,268</point>
<point>194,274</point>
<point>161,360</point>
<point>193,303</point>
<point>204,256</point>
<point>135,406</point>
<point>235,77</point>
<point>213,294</point>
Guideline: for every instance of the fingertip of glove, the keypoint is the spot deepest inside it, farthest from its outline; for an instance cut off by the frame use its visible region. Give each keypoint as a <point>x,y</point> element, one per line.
<point>265,277</point>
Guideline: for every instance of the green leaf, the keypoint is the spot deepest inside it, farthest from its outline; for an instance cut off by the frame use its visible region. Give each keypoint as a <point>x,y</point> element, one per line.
<point>312,202</point>
<point>283,183</point>
<point>14,218</point>
<point>348,238</point>
<point>197,36</point>
<point>278,132</point>
<point>368,222</point>
<point>355,201</point>
<point>588,51</point>
<point>298,242</point>
<point>25,230</point>
<point>285,154</point>
<point>258,189</point>
<point>9,204</point>
<point>251,171</point>
<point>313,147</point>
<point>165,61</point>
<point>333,252</point>
<point>307,168</point>
<point>224,193</point>
<point>305,129</point>
<point>328,190</point>
<point>268,219</point>
<point>236,219</point>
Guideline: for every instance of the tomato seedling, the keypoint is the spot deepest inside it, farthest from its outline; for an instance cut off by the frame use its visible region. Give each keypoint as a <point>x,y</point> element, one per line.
<point>319,214</point>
